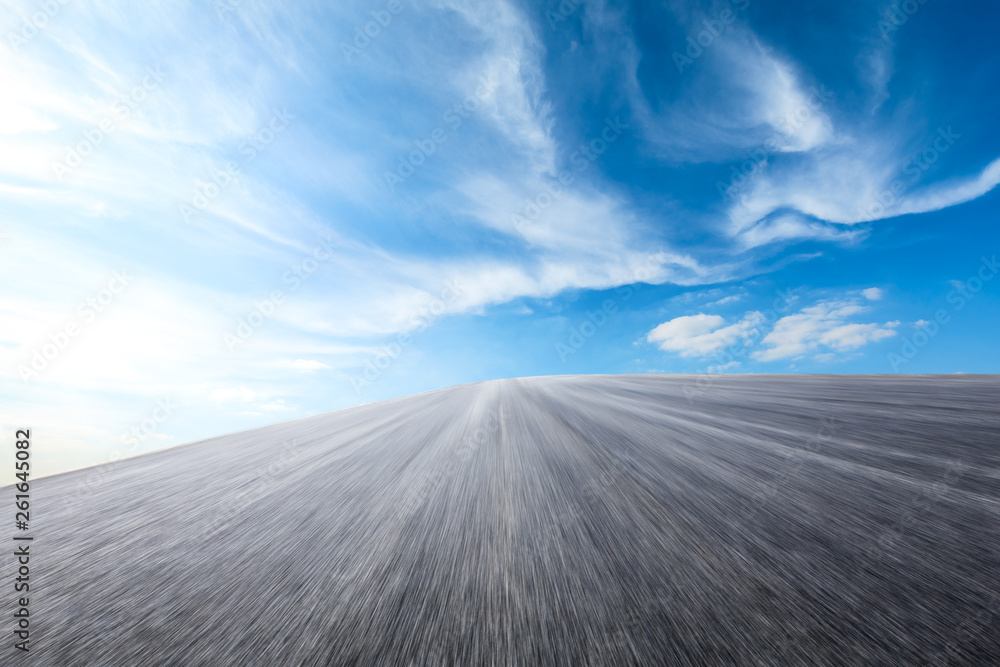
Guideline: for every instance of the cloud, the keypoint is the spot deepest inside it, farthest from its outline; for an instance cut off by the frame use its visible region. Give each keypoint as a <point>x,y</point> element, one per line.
<point>701,334</point>
<point>823,330</point>
<point>865,170</point>
<point>793,227</point>
<point>956,191</point>
<point>308,365</point>
<point>872,293</point>
<point>722,368</point>
<point>512,65</point>
<point>732,298</point>
<point>742,94</point>
<point>819,162</point>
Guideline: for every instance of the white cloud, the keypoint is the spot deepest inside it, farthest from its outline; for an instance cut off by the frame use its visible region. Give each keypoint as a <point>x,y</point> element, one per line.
<point>308,365</point>
<point>701,334</point>
<point>956,191</point>
<point>822,330</point>
<point>512,67</point>
<point>732,298</point>
<point>846,185</point>
<point>876,67</point>
<point>850,336</point>
<point>872,293</point>
<point>739,95</point>
<point>793,227</point>
<point>741,100</point>
<point>722,368</point>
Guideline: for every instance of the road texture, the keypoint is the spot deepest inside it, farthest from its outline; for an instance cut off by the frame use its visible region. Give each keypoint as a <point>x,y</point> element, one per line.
<point>576,520</point>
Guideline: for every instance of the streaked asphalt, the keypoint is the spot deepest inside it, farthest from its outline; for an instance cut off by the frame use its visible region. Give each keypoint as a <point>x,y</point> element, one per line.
<point>576,520</point>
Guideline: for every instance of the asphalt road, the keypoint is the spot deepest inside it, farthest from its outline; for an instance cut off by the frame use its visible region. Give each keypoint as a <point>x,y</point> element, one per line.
<point>577,520</point>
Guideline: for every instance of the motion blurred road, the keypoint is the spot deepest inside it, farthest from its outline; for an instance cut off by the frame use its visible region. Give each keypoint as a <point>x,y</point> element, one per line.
<point>575,520</point>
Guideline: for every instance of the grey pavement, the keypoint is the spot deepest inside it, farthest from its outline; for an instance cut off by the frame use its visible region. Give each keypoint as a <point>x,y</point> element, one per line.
<point>573,520</point>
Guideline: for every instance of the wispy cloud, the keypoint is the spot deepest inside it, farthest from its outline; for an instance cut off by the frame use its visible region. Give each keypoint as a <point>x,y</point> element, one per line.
<point>743,95</point>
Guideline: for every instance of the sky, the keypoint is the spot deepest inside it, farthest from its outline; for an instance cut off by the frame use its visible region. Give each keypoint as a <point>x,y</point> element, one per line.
<point>220,215</point>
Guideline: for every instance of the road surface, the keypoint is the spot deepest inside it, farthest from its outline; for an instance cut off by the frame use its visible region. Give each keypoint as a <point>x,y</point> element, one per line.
<point>575,520</point>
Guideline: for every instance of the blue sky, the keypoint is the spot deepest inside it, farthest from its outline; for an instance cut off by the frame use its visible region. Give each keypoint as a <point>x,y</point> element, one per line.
<point>218,216</point>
